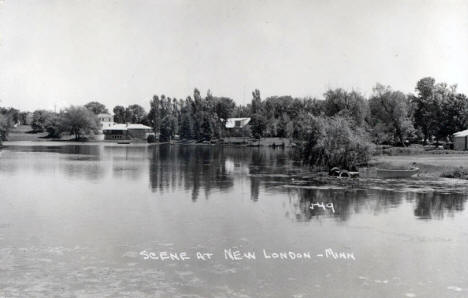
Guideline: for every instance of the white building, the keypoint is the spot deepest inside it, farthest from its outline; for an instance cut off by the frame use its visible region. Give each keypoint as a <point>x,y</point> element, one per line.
<point>237,122</point>
<point>460,140</point>
<point>107,120</point>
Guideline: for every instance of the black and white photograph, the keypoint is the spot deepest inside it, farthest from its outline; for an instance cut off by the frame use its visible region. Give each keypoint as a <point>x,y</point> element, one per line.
<point>244,148</point>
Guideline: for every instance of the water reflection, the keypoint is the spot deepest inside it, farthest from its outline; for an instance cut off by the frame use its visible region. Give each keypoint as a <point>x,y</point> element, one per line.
<point>204,170</point>
<point>437,205</point>
<point>83,151</point>
<point>195,168</point>
<point>431,205</point>
<point>345,203</point>
<point>128,162</point>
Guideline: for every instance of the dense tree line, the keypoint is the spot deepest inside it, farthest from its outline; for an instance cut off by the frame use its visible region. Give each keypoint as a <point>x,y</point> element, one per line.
<point>197,117</point>
<point>342,119</point>
<point>389,116</point>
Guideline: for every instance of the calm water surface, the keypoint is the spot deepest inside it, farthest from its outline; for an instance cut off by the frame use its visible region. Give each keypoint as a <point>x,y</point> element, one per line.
<point>75,219</point>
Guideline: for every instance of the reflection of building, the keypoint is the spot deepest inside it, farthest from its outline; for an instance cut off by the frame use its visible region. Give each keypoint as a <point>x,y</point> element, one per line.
<point>127,132</point>
<point>107,120</point>
<point>460,140</point>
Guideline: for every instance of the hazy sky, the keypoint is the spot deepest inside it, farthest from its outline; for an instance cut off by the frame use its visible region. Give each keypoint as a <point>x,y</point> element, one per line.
<point>122,52</point>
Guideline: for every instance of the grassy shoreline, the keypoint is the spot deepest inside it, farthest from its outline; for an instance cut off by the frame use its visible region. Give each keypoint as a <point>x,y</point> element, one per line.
<point>430,164</point>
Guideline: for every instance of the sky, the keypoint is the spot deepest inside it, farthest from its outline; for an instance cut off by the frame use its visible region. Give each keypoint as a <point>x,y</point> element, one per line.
<point>56,53</point>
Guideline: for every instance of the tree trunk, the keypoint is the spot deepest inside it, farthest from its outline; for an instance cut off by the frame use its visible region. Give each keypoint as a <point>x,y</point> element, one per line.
<point>426,136</point>
<point>400,136</point>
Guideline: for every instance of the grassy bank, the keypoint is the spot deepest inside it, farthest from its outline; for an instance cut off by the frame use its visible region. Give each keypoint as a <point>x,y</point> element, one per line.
<point>430,164</point>
<point>24,133</point>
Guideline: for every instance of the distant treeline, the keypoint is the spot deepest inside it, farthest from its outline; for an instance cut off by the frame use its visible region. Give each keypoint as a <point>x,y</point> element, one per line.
<point>338,129</point>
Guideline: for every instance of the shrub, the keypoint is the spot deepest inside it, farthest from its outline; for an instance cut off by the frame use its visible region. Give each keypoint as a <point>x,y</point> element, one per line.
<point>459,173</point>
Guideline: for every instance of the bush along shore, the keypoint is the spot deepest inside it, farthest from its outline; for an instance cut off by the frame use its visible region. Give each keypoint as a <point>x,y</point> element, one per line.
<point>344,129</point>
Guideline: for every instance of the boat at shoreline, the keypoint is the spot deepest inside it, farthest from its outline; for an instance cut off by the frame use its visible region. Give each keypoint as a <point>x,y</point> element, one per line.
<point>398,173</point>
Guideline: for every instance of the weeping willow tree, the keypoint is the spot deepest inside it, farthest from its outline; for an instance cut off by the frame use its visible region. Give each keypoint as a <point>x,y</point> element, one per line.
<point>333,142</point>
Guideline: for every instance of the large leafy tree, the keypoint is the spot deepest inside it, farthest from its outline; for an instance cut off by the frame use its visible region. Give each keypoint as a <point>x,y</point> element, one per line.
<point>154,115</point>
<point>96,107</point>
<point>439,111</point>
<point>426,108</point>
<point>206,130</point>
<point>167,109</point>
<point>186,122</point>
<point>390,115</point>
<point>119,114</point>
<point>39,120</point>
<point>258,124</point>
<point>168,128</point>
<point>54,125</point>
<point>135,114</point>
<point>351,105</point>
<point>453,111</point>
<point>198,114</point>
<point>224,107</point>
<point>79,121</point>
<point>8,118</point>
<point>5,126</point>
<point>258,121</point>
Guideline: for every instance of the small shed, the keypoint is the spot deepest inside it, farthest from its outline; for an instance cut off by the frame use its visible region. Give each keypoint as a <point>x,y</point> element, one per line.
<point>460,140</point>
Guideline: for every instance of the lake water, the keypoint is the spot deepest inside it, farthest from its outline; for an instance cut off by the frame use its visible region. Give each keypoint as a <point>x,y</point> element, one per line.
<point>82,220</point>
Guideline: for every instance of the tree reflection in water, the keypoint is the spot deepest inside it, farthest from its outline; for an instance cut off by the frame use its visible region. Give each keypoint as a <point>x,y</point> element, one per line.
<point>203,169</point>
<point>194,168</point>
<point>433,205</point>
<point>206,168</point>
<point>346,202</point>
